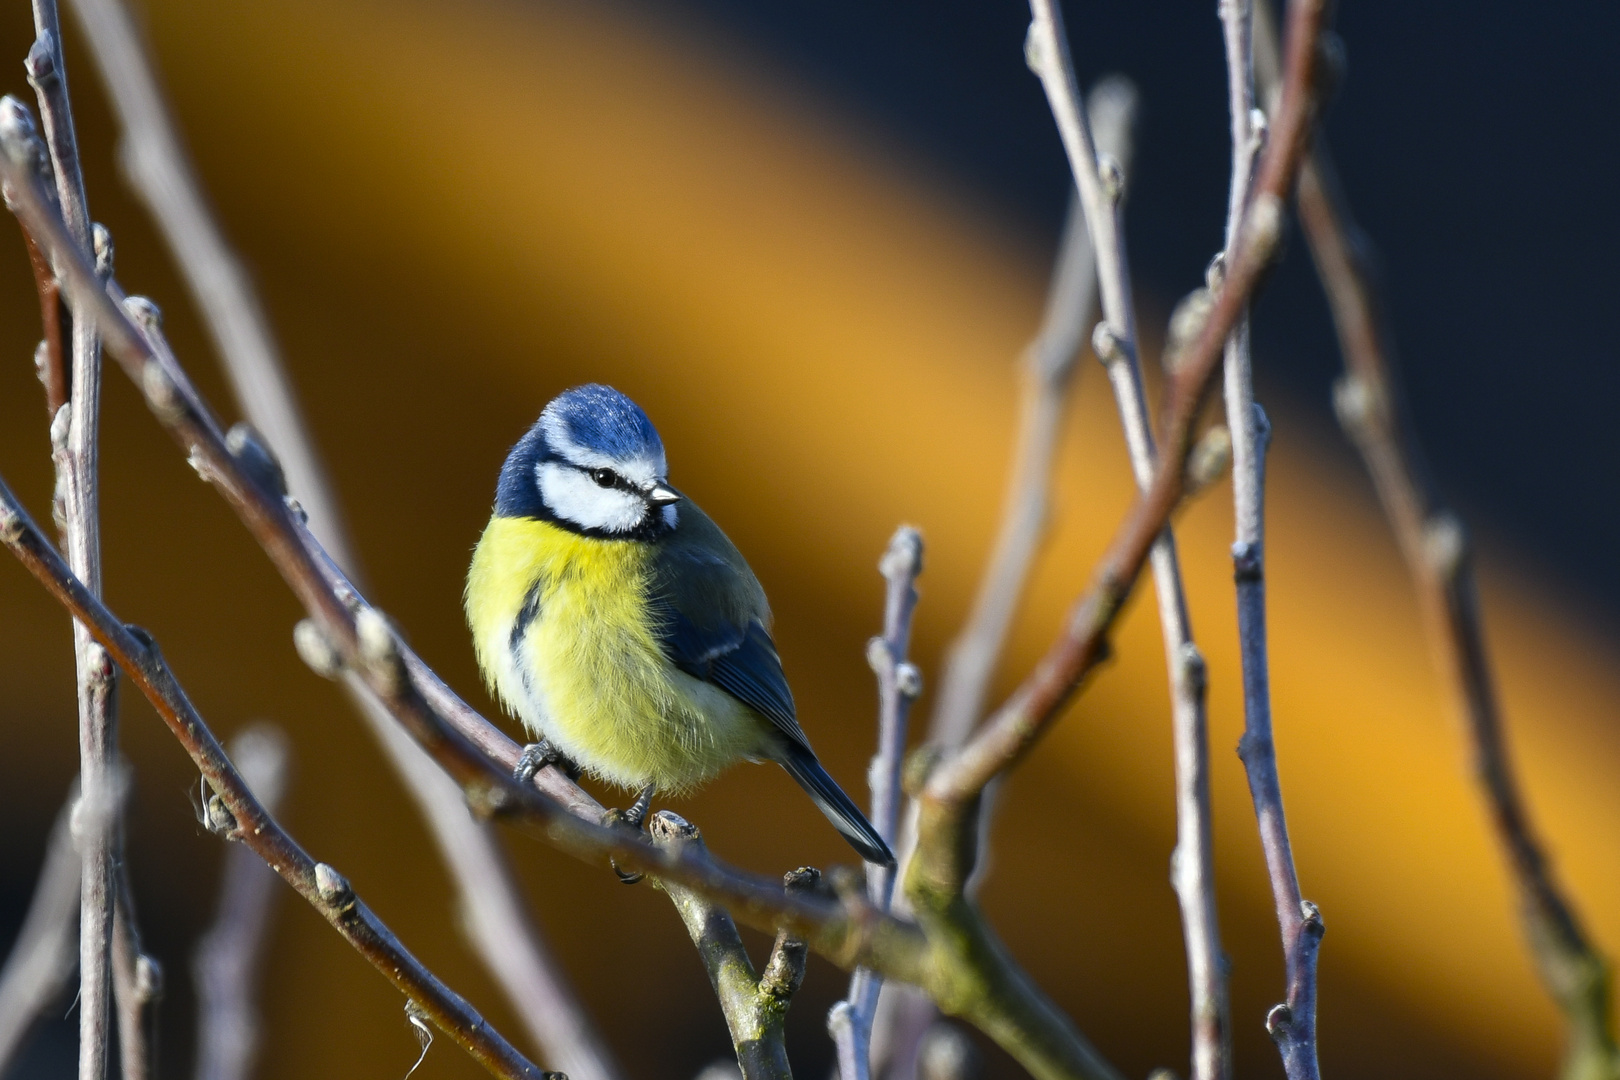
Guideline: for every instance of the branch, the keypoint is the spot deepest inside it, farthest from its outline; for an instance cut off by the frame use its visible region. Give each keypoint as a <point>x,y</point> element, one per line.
<point>156,164</point>
<point>1014,728</point>
<point>949,794</point>
<point>227,962</point>
<point>495,917</point>
<point>1101,184</point>
<point>1293,1023</point>
<point>1370,407</point>
<point>956,959</point>
<point>234,812</point>
<point>899,683</point>
<point>904,1017</point>
<point>1047,374</point>
<point>46,951</point>
<point>77,478</point>
<point>754,1006</point>
<point>137,986</point>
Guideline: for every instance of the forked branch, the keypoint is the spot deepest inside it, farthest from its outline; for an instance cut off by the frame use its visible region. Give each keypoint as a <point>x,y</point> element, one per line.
<point>235,813</point>
<point>755,1005</point>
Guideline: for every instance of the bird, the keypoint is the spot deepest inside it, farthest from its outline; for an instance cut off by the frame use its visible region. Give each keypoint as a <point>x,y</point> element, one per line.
<point>623,628</point>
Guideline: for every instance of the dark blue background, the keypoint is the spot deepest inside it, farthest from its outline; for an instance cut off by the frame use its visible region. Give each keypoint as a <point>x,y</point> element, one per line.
<point>1477,143</point>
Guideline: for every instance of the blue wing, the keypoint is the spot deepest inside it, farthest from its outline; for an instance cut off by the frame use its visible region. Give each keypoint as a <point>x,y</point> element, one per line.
<point>712,617</point>
<point>741,660</point>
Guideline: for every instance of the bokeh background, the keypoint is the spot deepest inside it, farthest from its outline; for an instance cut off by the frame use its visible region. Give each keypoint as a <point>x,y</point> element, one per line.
<point>811,240</point>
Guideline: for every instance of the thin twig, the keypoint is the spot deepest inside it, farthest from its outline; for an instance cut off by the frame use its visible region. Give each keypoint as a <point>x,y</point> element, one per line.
<point>236,814</point>
<point>1101,183</point>
<point>1292,1024</point>
<point>962,965</point>
<point>227,962</point>
<point>899,683</point>
<point>1048,364</point>
<point>76,464</point>
<point>754,1006</point>
<point>156,163</point>
<point>46,952</point>
<point>1014,728</point>
<point>495,918</point>
<point>1370,407</point>
<point>137,987</point>
<point>952,952</point>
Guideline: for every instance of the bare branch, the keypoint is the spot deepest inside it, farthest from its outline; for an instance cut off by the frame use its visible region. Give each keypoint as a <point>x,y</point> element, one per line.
<point>1292,1024</point>
<point>156,163</point>
<point>952,954</point>
<point>495,920</point>
<point>77,476</point>
<point>1369,404</point>
<point>234,812</point>
<point>137,986</point>
<point>226,965</point>
<point>1014,728</point>
<point>903,1017</point>
<point>754,1008</point>
<point>899,683</point>
<point>493,915</point>
<point>43,958</point>
<point>1101,183</point>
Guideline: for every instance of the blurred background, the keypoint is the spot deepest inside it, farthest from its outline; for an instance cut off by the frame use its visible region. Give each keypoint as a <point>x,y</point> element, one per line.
<point>811,240</point>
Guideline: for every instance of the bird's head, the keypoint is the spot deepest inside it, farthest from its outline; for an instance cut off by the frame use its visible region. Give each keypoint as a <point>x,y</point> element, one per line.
<point>593,463</point>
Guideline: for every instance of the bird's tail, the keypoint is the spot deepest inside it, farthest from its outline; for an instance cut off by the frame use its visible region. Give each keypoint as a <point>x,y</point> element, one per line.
<point>830,799</point>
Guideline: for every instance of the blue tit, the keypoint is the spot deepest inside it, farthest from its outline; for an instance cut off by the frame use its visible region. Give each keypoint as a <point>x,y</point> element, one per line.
<point>617,621</point>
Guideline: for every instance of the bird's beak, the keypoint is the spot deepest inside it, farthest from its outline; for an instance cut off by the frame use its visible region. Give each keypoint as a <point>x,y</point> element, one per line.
<point>659,495</point>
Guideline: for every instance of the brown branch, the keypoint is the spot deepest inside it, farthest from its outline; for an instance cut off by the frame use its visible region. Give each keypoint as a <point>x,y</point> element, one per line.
<point>1369,403</point>
<point>77,476</point>
<point>949,794</point>
<point>496,921</point>
<point>234,812</point>
<point>755,1006</point>
<point>1293,1023</point>
<point>1047,370</point>
<point>1015,727</point>
<point>156,163</point>
<point>1101,183</point>
<point>228,958</point>
<point>957,960</point>
<point>43,958</point>
<point>494,916</point>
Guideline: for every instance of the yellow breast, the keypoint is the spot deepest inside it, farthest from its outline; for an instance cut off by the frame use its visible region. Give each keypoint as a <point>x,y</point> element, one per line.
<point>564,635</point>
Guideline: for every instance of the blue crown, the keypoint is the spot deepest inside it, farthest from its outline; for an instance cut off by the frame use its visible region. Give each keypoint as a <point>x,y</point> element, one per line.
<point>600,419</point>
<point>593,419</point>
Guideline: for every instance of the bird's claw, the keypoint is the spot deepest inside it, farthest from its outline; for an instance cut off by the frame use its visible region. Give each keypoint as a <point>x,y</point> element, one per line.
<point>633,818</point>
<point>539,755</point>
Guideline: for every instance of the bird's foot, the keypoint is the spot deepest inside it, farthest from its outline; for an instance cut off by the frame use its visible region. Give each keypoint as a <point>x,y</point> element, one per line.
<point>537,756</point>
<point>633,818</point>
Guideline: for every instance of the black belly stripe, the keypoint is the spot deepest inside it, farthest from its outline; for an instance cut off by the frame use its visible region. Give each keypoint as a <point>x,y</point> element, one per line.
<point>525,616</point>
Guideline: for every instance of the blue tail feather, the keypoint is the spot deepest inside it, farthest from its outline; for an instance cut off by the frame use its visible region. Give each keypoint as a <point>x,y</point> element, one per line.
<point>830,799</point>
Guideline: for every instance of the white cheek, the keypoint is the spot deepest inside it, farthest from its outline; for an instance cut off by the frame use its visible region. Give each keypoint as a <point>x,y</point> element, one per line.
<point>575,497</point>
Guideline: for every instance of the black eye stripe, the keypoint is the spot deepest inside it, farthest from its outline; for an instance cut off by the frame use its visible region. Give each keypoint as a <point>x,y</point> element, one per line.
<point>607,478</point>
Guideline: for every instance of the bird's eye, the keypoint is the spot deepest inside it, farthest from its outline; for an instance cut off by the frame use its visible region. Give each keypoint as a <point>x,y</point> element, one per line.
<point>603,477</point>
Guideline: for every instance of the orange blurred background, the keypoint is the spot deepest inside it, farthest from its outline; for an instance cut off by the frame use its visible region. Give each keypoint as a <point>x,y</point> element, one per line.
<point>456,210</point>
